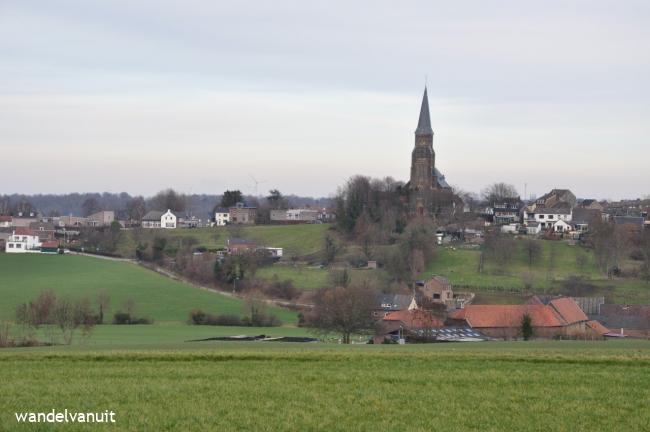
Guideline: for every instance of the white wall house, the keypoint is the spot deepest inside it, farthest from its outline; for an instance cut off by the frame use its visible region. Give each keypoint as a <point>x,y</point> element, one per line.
<point>23,240</point>
<point>158,219</point>
<point>561,226</point>
<point>221,216</point>
<point>547,217</point>
<point>302,215</point>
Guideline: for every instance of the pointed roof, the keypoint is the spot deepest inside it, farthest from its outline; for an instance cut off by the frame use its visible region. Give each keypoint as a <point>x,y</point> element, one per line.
<point>424,122</point>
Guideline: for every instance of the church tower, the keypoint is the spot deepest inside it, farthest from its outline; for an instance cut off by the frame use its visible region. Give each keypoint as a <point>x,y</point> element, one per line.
<point>423,181</point>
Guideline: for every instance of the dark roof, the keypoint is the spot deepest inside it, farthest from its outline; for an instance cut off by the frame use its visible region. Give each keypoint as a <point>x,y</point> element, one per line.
<point>554,210</point>
<point>424,122</point>
<point>584,215</point>
<point>221,210</point>
<point>393,302</point>
<point>153,215</point>
<point>440,178</point>
<point>628,220</point>
<point>240,241</point>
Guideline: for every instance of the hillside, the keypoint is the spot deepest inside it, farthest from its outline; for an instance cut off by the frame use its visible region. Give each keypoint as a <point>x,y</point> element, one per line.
<point>24,276</point>
<point>297,240</point>
<point>558,262</point>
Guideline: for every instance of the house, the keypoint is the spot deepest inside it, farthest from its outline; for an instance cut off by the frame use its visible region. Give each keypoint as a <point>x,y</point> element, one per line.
<point>240,245</point>
<point>158,219</point>
<point>5,221</point>
<point>557,198</point>
<point>547,216</point>
<point>393,302</point>
<point>189,222</point>
<point>4,236</point>
<point>506,211</point>
<point>533,228</point>
<point>299,215</point>
<point>242,214</point>
<point>44,230</point>
<point>72,221</point>
<point>221,216</point>
<point>22,221</point>
<point>582,218</point>
<point>561,226</point>
<point>101,218</point>
<point>22,240</point>
<point>437,288</point>
<point>591,204</point>
<point>560,318</point>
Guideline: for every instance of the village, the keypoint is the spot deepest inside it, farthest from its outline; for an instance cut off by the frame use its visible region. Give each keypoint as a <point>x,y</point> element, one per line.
<point>408,309</point>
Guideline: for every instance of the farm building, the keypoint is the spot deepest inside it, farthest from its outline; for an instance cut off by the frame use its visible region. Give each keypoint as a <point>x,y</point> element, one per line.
<point>560,318</point>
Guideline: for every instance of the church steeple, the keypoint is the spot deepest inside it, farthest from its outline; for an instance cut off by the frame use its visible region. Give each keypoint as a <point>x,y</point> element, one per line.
<point>424,122</point>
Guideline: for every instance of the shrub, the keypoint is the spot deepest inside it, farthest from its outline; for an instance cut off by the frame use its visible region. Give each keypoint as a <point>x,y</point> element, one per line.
<point>125,318</point>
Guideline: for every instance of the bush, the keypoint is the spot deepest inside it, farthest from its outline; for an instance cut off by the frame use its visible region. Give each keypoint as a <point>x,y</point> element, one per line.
<point>281,289</point>
<point>198,317</point>
<point>125,318</point>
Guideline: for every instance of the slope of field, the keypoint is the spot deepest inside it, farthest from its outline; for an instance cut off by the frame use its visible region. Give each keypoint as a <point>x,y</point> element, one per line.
<point>297,240</point>
<point>558,262</point>
<point>568,386</point>
<point>24,276</point>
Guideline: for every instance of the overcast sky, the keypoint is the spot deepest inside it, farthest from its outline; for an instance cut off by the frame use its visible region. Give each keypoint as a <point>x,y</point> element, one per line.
<point>137,96</point>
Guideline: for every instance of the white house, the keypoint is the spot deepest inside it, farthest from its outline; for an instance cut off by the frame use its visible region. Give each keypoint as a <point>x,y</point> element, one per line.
<point>302,215</point>
<point>533,228</point>
<point>23,240</point>
<point>158,219</point>
<point>547,217</point>
<point>561,226</point>
<point>221,216</point>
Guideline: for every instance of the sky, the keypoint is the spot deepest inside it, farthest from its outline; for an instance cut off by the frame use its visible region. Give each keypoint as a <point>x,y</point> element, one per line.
<point>203,96</point>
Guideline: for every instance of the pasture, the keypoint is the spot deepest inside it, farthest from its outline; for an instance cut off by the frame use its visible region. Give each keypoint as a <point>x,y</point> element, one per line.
<point>558,262</point>
<point>524,386</point>
<point>24,276</point>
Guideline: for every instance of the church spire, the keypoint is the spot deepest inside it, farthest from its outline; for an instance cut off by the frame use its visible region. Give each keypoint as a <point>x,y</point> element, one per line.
<point>424,123</point>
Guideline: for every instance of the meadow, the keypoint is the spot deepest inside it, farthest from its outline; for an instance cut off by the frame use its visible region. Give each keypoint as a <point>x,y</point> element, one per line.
<point>24,276</point>
<point>557,263</point>
<point>523,386</point>
<point>297,240</point>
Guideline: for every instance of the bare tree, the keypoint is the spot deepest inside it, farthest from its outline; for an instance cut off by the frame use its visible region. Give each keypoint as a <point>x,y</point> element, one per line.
<point>344,311</point>
<point>499,191</point>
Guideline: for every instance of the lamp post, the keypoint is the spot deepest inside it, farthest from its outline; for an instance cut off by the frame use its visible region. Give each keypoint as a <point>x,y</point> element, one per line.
<point>234,285</point>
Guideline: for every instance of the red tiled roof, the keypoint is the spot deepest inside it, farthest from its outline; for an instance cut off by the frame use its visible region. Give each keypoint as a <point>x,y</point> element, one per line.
<point>569,310</point>
<point>415,318</point>
<point>478,316</point>
<point>5,218</point>
<point>50,244</point>
<point>25,231</point>
<point>597,327</point>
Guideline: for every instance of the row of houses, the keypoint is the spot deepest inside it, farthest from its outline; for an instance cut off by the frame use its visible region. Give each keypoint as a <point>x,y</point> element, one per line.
<point>102,218</point>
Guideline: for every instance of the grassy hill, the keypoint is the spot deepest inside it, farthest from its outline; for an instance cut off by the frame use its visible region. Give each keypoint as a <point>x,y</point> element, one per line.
<point>297,240</point>
<point>558,262</point>
<point>24,276</point>
<point>515,386</point>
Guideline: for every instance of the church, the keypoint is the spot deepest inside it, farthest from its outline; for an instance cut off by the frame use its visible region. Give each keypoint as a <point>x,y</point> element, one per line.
<point>428,192</point>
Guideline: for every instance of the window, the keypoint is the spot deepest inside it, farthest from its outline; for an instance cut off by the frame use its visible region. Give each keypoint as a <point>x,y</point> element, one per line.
<point>19,246</point>
<point>541,216</point>
<point>550,216</point>
<point>11,245</point>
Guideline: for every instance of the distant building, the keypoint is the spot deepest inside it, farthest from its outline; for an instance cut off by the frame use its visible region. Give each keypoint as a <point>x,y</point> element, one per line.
<point>159,219</point>
<point>5,221</point>
<point>102,218</point>
<point>240,245</point>
<point>591,204</point>
<point>507,211</point>
<point>221,216</point>
<point>242,214</point>
<point>23,240</point>
<point>72,221</point>
<point>303,215</point>
<point>393,302</point>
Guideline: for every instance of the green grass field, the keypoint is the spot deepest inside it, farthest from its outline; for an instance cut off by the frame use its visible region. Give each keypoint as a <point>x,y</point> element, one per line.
<point>461,267</point>
<point>24,276</point>
<point>522,386</point>
<point>297,240</point>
